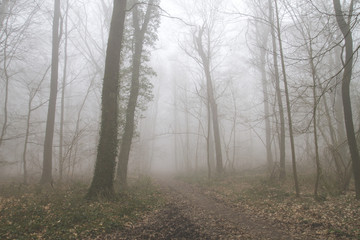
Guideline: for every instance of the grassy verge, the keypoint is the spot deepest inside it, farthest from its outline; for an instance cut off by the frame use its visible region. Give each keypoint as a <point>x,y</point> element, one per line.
<point>63,213</point>
<point>328,217</point>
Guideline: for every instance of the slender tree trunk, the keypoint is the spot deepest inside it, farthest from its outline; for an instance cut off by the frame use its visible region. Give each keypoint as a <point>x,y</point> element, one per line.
<point>62,108</point>
<point>175,126</point>
<point>288,106</point>
<point>6,97</point>
<point>103,180</point>
<point>278,95</point>
<point>46,176</point>
<point>139,35</point>
<point>198,139</point>
<point>212,101</point>
<point>349,125</point>
<point>25,177</point>
<point>263,44</point>
<point>315,103</point>
<point>234,136</point>
<point>208,137</point>
<point>187,134</point>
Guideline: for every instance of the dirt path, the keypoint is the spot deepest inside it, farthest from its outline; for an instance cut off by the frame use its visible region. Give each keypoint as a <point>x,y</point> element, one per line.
<point>190,214</point>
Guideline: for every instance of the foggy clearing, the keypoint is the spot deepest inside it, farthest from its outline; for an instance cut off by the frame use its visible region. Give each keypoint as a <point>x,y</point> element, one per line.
<point>179,119</point>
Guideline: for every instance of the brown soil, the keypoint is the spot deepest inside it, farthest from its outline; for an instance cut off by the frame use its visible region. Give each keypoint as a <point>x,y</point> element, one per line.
<point>190,214</point>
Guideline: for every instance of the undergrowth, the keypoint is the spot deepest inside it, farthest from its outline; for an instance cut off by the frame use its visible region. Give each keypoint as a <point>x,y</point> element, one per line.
<point>29,212</point>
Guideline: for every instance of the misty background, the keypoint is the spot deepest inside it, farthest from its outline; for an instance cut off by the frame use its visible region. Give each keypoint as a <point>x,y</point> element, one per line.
<point>171,120</point>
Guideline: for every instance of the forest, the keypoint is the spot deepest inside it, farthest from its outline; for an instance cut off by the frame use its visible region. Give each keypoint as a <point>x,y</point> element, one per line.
<point>179,119</point>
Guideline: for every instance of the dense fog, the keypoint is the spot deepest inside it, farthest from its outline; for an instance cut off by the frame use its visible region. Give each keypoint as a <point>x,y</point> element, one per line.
<point>241,47</point>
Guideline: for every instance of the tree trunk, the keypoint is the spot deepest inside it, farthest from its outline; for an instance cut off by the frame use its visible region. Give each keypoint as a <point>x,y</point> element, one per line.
<point>175,126</point>
<point>349,125</point>
<point>139,35</point>
<point>46,176</point>
<point>103,180</point>
<point>262,45</point>
<point>315,103</point>
<point>288,106</point>
<point>62,108</point>
<point>208,153</point>
<point>278,95</point>
<point>187,133</point>
<point>212,101</point>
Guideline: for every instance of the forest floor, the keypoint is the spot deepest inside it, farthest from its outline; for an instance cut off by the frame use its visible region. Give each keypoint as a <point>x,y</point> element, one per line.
<point>242,208</point>
<point>61,211</point>
<point>233,206</point>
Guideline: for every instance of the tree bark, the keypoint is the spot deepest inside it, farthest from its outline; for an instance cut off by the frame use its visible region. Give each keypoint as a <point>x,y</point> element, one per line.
<point>315,103</point>
<point>46,176</point>
<point>288,106</point>
<point>262,45</point>
<point>139,35</point>
<point>62,108</point>
<point>278,95</point>
<point>103,180</point>
<point>349,125</point>
<point>212,101</point>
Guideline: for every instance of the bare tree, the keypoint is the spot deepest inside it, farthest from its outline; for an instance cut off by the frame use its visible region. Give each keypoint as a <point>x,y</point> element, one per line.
<point>33,91</point>
<point>46,176</point>
<point>345,27</point>
<point>62,107</point>
<point>288,106</point>
<point>15,19</point>
<point>206,63</point>
<point>262,32</point>
<point>278,93</point>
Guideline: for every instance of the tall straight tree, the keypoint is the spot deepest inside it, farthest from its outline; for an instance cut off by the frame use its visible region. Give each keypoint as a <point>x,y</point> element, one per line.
<point>62,106</point>
<point>46,176</point>
<point>262,37</point>
<point>278,94</point>
<point>139,38</point>
<point>205,56</point>
<point>345,28</point>
<point>288,106</point>
<point>103,180</point>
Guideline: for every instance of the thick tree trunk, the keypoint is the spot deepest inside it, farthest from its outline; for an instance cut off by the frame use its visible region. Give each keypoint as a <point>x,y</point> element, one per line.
<point>349,125</point>
<point>278,95</point>
<point>139,35</point>
<point>103,180</point>
<point>46,176</point>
